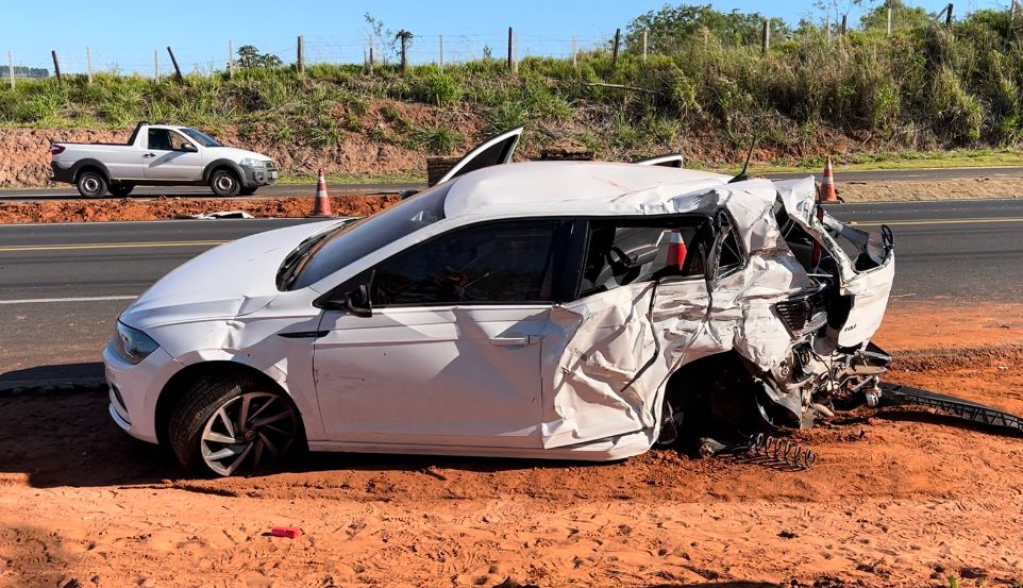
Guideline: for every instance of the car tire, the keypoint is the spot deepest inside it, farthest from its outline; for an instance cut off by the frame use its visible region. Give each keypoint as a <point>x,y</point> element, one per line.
<point>91,184</point>
<point>226,425</point>
<point>247,191</point>
<point>120,190</point>
<point>225,182</point>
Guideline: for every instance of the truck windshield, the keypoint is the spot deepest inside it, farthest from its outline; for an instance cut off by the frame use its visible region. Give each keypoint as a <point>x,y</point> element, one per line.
<point>352,241</point>
<point>201,138</point>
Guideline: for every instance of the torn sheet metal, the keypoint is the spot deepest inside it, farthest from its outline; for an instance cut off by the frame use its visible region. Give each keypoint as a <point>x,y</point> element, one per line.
<point>607,358</point>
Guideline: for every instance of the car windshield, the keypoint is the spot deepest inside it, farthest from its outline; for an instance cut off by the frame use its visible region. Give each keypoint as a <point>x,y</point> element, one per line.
<point>201,138</point>
<point>352,241</point>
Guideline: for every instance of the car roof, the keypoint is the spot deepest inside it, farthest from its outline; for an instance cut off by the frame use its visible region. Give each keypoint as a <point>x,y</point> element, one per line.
<point>566,187</point>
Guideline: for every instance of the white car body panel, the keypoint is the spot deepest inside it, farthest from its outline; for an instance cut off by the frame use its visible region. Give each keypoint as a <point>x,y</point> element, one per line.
<point>581,380</point>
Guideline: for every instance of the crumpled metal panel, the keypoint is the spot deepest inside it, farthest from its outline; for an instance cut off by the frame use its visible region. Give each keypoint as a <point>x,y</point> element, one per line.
<point>607,357</point>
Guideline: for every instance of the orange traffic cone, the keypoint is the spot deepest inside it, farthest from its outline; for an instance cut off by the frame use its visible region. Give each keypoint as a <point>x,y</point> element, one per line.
<point>828,193</point>
<point>322,205</point>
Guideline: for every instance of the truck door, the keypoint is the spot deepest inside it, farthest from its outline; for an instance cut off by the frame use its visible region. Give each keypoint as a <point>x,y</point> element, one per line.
<point>170,157</point>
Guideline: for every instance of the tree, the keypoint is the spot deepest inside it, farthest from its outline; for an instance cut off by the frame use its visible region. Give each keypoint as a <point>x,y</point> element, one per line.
<point>249,57</point>
<point>668,27</point>
<point>903,17</point>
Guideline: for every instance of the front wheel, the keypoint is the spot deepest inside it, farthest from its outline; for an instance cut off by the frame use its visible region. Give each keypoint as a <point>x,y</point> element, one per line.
<point>91,184</point>
<point>120,190</point>
<point>224,182</point>
<point>230,425</point>
<point>247,191</point>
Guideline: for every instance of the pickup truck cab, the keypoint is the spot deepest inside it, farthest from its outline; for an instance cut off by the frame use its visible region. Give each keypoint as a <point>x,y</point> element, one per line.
<point>160,155</point>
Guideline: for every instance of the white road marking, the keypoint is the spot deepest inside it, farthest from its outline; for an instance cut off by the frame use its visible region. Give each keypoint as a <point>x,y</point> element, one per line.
<point>54,300</point>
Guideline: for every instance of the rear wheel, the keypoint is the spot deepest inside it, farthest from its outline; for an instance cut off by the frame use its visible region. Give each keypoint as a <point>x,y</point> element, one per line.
<point>91,184</point>
<point>229,425</point>
<point>120,190</point>
<point>247,191</point>
<point>224,182</point>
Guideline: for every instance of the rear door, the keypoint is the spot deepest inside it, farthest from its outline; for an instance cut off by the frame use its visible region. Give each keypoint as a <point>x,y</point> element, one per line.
<point>171,157</point>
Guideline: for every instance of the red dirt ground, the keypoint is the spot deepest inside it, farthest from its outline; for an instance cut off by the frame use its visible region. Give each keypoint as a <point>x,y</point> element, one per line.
<point>900,498</point>
<point>163,208</point>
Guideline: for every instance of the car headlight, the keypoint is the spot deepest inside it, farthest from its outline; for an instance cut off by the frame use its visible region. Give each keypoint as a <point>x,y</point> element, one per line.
<point>252,162</point>
<point>132,344</point>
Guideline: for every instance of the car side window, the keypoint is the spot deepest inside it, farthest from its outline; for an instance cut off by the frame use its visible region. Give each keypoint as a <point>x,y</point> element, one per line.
<point>177,141</point>
<point>502,262</point>
<point>159,140</point>
<point>622,251</point>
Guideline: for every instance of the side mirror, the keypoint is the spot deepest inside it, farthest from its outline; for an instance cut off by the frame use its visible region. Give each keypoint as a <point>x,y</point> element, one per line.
<point>358,303</point>
<point>189,148</point>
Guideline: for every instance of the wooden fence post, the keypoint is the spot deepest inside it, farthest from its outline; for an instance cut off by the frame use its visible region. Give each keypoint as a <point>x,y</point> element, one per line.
<point>948,15</point>
<point>644,46</point>
<point>440,51</point>
<point>156,67</point>
<point>827,25</point>
<point>575,52</point>
<point>614,51</point>
<point>509,48</point>
<point>371,54</point>
<point>842,30</point>
<point>88,64</point>
<point>10,67</point>
<point>230,60</point>
<point>174,62</point>
<point>56,65</point>
<point>515,62</point>
<point>404,36</point>
<point>889,20</point>
<point>765,37</point>
<point>300,55</point>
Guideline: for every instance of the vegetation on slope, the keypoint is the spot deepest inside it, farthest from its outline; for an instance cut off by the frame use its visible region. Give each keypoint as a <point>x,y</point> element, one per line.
<point>923,88</point>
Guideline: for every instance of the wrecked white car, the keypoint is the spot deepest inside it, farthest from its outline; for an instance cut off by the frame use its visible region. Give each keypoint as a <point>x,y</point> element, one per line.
<point>569,310</point>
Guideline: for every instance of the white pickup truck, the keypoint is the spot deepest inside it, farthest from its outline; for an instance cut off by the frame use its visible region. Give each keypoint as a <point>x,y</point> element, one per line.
<point>160,155</point>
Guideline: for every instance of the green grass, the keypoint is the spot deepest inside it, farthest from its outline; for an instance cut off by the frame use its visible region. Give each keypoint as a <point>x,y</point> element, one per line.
<point>359,179</point>
<point>932,89</point>
<point>901,160</point>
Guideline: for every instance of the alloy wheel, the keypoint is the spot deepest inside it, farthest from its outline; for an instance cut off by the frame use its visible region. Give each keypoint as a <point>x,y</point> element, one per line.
<point>248,431</point>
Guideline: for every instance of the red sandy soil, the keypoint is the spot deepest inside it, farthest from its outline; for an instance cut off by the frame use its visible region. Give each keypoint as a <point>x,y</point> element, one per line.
<point>900,498</point>
<point>163,208</point>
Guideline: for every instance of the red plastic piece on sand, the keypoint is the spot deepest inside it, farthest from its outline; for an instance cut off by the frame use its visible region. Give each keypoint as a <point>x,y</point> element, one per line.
<point>289,532</point>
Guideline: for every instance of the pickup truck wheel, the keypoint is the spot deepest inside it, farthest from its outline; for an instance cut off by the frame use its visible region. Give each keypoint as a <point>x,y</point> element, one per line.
<point>120,190</point>
<point>91,184</point>
<point>247,191</point>
<point>227,425</point>
<point>224,182</point>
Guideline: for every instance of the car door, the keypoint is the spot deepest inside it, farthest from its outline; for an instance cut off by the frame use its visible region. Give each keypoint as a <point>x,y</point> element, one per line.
<point>450,354</point>
<point>170,157</point>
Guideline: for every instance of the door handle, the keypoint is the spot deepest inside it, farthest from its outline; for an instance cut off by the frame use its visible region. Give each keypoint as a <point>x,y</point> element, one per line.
<point>514,341</point>
<point>149,155</point>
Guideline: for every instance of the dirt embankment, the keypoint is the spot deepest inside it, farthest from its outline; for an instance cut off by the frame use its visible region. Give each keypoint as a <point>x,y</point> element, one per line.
<point>25,153</point>
<point>901,498</point>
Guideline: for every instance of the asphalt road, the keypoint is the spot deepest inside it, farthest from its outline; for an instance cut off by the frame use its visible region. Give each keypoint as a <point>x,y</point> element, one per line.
<point>37,194</point>
<point>62,285</point>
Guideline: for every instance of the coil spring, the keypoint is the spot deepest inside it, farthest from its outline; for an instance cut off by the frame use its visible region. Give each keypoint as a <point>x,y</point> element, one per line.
<point>782,450</point>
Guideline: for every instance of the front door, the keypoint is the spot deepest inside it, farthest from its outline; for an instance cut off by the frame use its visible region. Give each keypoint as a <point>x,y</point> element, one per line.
<point>167,158</point>
<point>451,353</point>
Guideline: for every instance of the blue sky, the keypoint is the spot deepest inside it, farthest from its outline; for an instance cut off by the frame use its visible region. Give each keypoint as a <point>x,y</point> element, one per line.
<point>124,34</point>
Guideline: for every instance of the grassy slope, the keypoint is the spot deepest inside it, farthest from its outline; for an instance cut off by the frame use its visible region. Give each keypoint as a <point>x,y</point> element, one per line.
<point>904,101</point>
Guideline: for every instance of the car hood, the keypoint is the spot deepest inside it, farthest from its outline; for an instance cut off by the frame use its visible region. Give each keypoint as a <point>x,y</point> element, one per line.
<point>232,280</point>
<point>236,155</point>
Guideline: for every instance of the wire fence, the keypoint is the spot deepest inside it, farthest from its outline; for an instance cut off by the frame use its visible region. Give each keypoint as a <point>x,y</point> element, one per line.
<point>366,49</point>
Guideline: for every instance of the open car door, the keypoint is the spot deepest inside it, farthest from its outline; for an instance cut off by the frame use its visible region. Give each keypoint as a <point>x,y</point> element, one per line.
<point>494,151</point>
